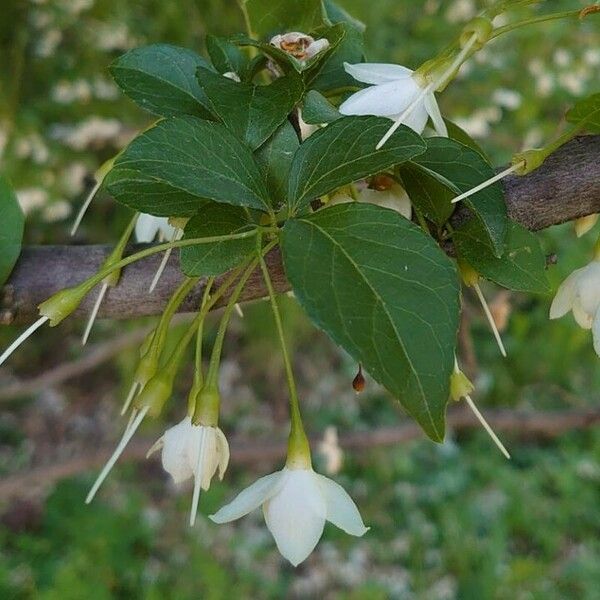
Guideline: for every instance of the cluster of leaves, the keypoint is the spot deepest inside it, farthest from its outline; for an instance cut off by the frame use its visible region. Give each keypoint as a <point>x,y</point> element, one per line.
<point>226,155</point>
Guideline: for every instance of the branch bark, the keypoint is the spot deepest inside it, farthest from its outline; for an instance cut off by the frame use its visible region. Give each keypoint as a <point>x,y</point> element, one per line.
<point>564,188</point>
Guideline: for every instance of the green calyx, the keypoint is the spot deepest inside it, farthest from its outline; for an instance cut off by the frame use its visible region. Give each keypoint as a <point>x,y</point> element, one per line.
<point>59,306</point>
<point>208,402</point>
<point>156,392</point>
<point>529,159</point>
<point>468,274</point>
<point>460,385</point>
<point>481,27</point>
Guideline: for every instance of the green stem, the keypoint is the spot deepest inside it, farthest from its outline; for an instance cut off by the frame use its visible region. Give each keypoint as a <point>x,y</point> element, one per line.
<point>198,376</point>
<point>298,446</point>
<point>533,21</point>
<point>117,253</point>
<point>100,275</point>
<point>215,357</point>
<point>564,138</point>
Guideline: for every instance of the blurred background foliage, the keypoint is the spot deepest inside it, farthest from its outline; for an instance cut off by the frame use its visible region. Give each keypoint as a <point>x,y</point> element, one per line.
<point>449,521</point>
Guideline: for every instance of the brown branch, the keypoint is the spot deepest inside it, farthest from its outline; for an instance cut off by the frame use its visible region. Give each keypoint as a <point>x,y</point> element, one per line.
<point>566,187</point>
<point>523,424</point>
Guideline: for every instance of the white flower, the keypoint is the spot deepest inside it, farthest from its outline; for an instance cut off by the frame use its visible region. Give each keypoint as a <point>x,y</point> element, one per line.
<point>197,451</point>
<point>296,503</point>
<point>394,198</point>
<point>148,226</point>
<point>299,45</point>
<point>181,447</point>
<point>580,293</point>
<point>393,89</point>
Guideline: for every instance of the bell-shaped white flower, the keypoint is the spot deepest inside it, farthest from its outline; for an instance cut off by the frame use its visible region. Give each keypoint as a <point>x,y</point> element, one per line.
<point>296,503</point>
<point>580,293</point>
<point>393,90</point>
<point>148,226</point>
<point>196,451</point>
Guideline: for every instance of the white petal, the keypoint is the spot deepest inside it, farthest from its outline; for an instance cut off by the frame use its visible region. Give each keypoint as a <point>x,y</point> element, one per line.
<point>296,515</point>
<point>341,510</point>
<point>395,199</point>
<point>596,332</point>
<point>203,435</point>
<point>588,288</point>
<point>222,452</point>
<point>250,498</point>
<point>563,301</point>
<point>377,73</point>
<point>417,119</point>
<point>583,318</point>
<point>384,100</point>
<point>432,108</point>
<point>146,228</point>
<point>174,451</point>
<point>169,232</point>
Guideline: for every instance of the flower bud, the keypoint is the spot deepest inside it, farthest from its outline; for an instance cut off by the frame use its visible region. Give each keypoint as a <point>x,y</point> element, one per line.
<point>468,274</point>
<point>59,306</point>
<point>358,383</point>
<point>479,26</point>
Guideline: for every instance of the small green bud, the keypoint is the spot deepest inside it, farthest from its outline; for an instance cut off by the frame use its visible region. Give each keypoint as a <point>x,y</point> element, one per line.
<point>531,159</point>
<point>460,385</point>
<point>59,306</point>
<point>468,274</point>
<point>481,27</point>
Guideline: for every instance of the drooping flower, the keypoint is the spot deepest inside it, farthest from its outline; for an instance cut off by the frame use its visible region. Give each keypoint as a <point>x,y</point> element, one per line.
<point>197,451</point>
<point>296,503</point>
<point>580,293</point>
<point>393,90</point>
<point>148,226</point>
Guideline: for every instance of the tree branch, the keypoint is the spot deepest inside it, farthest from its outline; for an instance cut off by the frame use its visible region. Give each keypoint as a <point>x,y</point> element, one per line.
<point>566,187</point>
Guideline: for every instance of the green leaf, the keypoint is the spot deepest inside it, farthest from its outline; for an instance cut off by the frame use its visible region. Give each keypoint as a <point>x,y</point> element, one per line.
<point>226,57</point>
<point>521,268</point>
<point>275,158</point>
<point>344,152</point>
<point>460,135</point>
<point>427,193</point>
<point>199,157</point>
<point>586,111</point>
<point>268,17</point>
<point>336,14</point>
<point>384,291</point>
<point>162,79</point>
<point>251,112</point>
<point>148,195</point>
<point>332,77</point>
<point>12,225</point>
<point>218,257</point>
<point>317,109</point>
<point>461,168</point>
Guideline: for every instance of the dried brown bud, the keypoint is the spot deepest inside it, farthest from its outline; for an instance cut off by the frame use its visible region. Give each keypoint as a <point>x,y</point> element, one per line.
<point>299,45</point>
<point>358,383</point>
